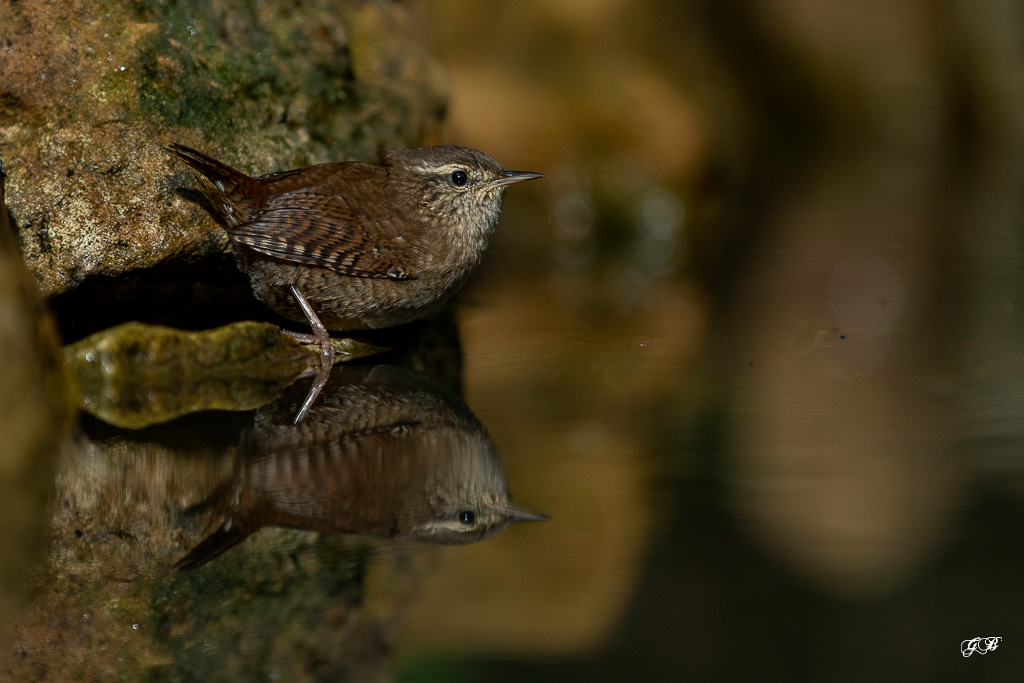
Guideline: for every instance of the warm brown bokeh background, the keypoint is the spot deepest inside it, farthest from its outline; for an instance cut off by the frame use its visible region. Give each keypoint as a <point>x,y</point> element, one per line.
<point>784,233</point>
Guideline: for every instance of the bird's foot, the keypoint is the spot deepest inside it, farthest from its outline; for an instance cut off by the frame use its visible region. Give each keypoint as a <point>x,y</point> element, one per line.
<point>327,352</point>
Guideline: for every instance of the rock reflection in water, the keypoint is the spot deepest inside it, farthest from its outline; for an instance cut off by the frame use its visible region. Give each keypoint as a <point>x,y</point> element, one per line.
<point>384,451</point>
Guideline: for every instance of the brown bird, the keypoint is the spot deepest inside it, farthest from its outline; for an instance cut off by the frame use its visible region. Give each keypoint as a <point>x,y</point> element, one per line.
<point>387,451</point>
<point>349,246</point>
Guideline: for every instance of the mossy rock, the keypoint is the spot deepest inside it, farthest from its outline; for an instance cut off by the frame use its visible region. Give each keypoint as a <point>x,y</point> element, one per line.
<point>92,90</point>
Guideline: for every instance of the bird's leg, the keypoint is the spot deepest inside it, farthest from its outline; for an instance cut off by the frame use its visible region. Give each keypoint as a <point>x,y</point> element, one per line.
<point>322,337</point>
<point>320,334</point>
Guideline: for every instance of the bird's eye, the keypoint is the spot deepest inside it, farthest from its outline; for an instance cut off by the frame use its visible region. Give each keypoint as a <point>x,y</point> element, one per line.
<point>467,517</point>
<point>459,178</point>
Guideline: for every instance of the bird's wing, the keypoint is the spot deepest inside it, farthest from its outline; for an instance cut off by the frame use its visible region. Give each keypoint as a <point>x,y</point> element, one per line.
<point>328,230</point>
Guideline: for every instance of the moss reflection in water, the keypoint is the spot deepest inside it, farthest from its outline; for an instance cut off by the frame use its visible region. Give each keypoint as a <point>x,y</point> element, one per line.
<point>135,375</point>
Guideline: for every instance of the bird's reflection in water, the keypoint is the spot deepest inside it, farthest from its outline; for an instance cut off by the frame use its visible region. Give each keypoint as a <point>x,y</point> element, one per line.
<point>384,451</point>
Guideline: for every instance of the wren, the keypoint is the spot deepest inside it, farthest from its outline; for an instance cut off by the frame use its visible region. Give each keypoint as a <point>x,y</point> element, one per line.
<point>351,246</point>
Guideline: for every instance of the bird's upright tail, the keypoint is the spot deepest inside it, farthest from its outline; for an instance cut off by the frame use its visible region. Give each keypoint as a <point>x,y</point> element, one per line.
<point>231,192</point>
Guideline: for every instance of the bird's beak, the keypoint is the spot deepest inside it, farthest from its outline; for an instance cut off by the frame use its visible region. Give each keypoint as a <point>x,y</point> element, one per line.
<point>509,177</point>
<point>518,514</point>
